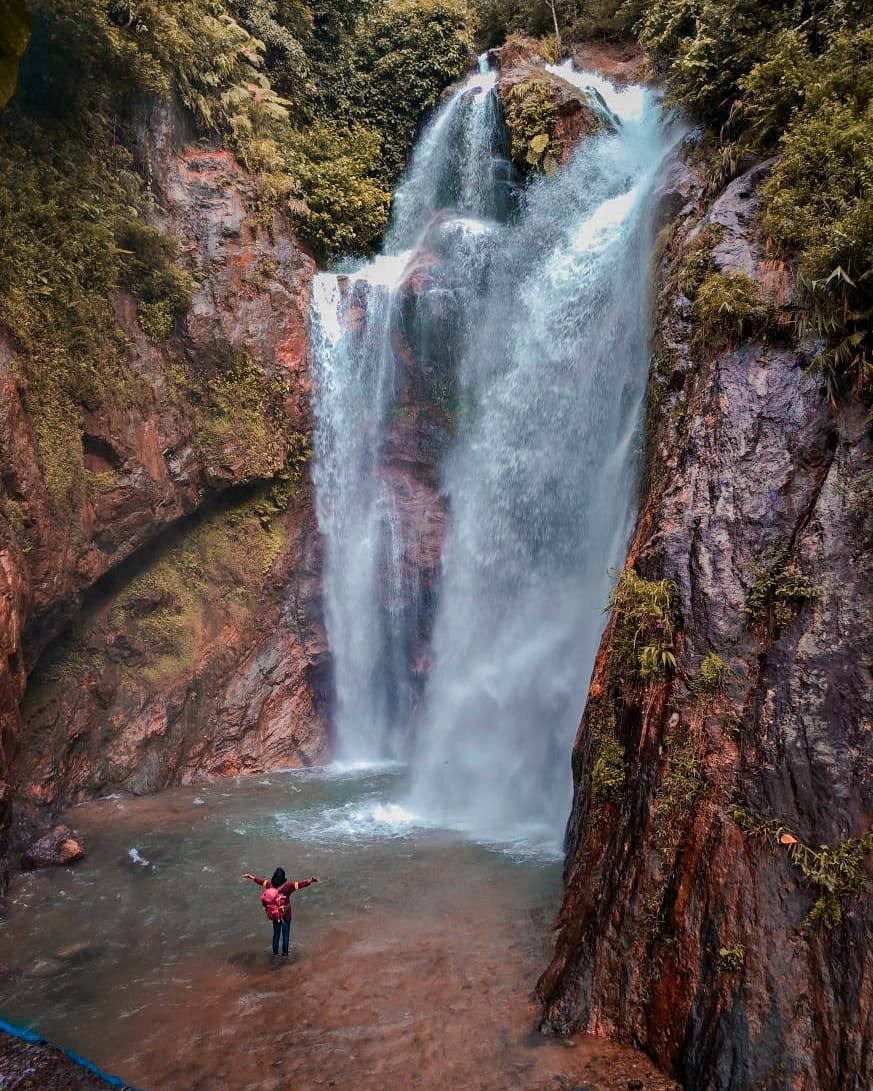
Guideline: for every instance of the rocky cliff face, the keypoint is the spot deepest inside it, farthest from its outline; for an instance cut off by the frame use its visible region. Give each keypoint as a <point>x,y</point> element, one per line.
<point>220,405</point>
<point>719,836</point>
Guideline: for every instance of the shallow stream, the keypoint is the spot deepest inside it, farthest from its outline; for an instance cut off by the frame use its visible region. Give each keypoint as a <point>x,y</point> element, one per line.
<point>412,962</point>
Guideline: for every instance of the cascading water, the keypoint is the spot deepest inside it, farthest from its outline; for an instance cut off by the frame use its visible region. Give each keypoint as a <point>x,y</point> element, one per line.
<point>529,322</point>
<point>361,322</point>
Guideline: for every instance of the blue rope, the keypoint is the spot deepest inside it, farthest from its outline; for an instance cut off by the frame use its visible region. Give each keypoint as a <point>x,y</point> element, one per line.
<point>33,1038</point>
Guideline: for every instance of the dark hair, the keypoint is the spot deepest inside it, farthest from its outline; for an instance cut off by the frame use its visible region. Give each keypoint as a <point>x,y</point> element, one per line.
<point>278,877</point>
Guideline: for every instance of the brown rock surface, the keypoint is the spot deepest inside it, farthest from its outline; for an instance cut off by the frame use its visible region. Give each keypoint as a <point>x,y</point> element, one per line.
<point>221,403</point>
<point>685,922</point>
<point>206,660</point>
<point>620,62</point>
<point>56,848</point>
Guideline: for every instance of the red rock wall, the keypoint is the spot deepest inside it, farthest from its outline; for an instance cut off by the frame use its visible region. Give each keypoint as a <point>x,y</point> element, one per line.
<point>252,295</point>
<point>684,923</point>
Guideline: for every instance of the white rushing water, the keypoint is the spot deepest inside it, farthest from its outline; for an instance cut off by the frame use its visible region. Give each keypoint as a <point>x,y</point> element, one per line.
<point>370,605</point>
<point>540,304</point>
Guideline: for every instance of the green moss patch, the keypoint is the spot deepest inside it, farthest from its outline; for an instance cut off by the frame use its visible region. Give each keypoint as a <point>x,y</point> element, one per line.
<point>730,307</point>
<point>642,644</point>
<point>779,591</point>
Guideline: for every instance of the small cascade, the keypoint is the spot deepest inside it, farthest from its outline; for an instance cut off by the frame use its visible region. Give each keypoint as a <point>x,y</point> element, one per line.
<point>461,163</point>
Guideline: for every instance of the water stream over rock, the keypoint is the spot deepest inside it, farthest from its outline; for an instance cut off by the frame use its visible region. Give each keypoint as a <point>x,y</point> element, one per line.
<point>478,394</point>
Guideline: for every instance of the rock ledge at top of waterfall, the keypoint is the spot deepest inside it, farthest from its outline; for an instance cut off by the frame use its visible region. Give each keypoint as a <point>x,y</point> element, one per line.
<point>546,114</point>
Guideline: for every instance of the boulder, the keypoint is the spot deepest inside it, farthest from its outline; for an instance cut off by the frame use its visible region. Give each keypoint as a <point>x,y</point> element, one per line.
<point>57,848</point>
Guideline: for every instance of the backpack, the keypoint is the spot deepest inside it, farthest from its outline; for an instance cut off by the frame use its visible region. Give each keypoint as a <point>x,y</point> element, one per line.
<point>274,903</point>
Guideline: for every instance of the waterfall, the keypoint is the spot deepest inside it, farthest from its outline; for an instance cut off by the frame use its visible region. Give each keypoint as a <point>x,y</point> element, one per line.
<point>374,610</point>
<point>528,316</point>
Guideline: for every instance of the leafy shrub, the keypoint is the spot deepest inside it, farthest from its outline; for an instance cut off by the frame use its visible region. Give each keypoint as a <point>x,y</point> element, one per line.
<point>836,874</point>
<point>147,269</point>
<point>530,114</point>
<point>729,307</point>
<point>819,203</point>
<point>644,626</point>
<point>345,207</point>
<point>404,55</point>
<point>498,18</point>
<point>779,590</point>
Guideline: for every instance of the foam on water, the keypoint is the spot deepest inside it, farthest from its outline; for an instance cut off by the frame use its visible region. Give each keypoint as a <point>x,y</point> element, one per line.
<point>628,103</point>
<point>355,821</point>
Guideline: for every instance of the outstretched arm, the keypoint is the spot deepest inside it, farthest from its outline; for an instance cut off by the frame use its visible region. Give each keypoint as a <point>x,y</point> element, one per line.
<point>254,878</point>
<point>299,884</point>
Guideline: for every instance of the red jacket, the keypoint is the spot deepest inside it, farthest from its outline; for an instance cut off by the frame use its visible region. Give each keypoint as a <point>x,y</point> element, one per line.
<point>287,889</point>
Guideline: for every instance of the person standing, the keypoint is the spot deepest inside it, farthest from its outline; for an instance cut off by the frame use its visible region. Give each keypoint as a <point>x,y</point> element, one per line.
<point>276,900</point>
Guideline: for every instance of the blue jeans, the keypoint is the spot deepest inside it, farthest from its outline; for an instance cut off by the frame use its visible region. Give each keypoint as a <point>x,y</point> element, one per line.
<point>282,928</point>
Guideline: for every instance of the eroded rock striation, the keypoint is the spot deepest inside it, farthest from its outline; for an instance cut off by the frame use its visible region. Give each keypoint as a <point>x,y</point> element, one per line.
<point>703,918</point>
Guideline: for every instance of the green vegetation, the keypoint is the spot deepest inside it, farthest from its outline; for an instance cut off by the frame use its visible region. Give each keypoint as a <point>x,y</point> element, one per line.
<point>644,626</point>
<point>98,481</point>
<point>213,568</point>
<point>166,606</point>
<point>530,114</point>
<point>835,872</point>
<point>768,78</point>
<point>403,56</point>
<point>320,100</point>
<point>241,418</point>
<point>731,959</point>
<point>681,786</point>
<point>778,592</point>
<point>14,36</point>
<point>607,767</point>
<point>499,18</point>
<point>695,263</point>
<point>641,653</point>
<point>855,486</point>
<point>729,307</point>
<point>712,677</point>
<point>796,80</point>
<point>14,515</point>
<point>147,269</point>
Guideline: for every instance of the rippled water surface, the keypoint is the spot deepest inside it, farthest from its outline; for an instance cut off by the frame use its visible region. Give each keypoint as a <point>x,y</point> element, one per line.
<point>412,962</point>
